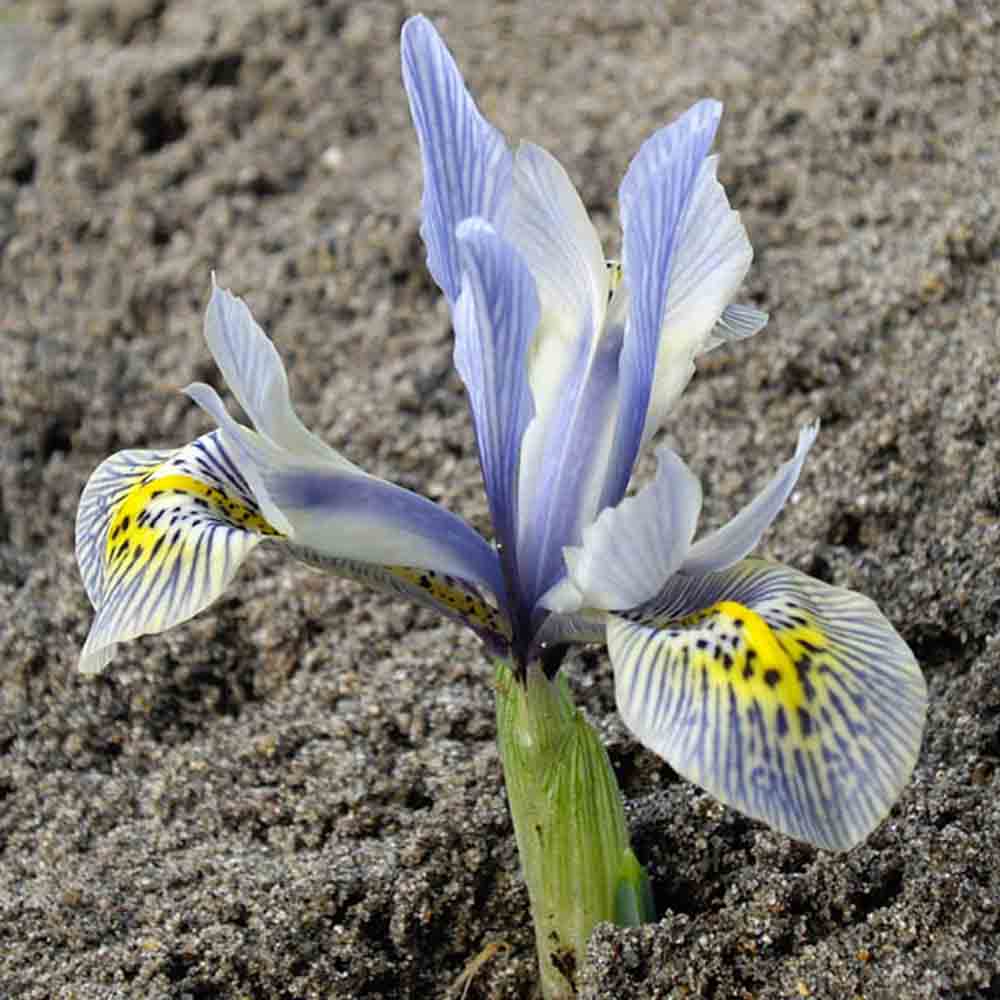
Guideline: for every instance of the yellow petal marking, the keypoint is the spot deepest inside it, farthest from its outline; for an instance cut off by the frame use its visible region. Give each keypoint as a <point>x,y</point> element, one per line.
<point>136,536</point>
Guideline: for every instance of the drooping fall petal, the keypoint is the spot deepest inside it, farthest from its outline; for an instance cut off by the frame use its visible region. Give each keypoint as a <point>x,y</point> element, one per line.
<point>791,700</point>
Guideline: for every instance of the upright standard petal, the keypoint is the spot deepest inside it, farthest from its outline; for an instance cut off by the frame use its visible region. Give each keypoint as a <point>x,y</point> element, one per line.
<point>467,164</point>
<point>661,154</point>
<point>254,373</point>
<point>495,319</point>
<point>572,370</point>
<point>793,701</point>
<point>739,537</point>
<point>630,550</point>
<point>710,260</point>
<point>550,227</point>
<point>684,254</point>
<point>563,466</point>
<point>159,536</point>
<point>347,514</point>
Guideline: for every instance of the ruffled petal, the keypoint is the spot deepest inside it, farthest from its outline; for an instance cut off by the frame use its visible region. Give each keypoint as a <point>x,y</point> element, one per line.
<point>495,318</point>
<point>342,513</point>
<point>630,550</point>
<point>159,536</point>
<point>793,701</point>
<point>467,164</point>
<point>739,537</point>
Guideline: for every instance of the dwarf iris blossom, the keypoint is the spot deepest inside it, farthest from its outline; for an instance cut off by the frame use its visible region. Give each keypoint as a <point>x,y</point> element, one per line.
<point>789,699</point>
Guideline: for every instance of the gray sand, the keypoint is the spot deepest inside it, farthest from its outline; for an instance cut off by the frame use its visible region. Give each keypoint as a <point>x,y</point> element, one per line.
<point>298,794</point>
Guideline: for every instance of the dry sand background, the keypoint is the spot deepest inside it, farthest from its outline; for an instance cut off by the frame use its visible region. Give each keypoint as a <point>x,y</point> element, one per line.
<point>298,794</point>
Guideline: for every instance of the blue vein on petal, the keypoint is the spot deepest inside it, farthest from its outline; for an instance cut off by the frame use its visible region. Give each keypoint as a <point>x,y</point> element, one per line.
<point>495,319</point>
<point>652,196</point>
<point>467,163</point>
<point>572,439</point>
<point>349,514</point>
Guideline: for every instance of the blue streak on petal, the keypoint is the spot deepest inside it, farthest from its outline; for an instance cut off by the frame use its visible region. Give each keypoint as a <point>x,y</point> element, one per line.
<point>653,196</point>
<point>561,490</point>
<point>658,155</point>
<point>495,318</point>
<point>467,164</point>
<point>344,513</point>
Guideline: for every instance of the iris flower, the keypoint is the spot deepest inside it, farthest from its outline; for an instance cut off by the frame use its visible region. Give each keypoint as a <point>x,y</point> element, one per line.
<point>791,700</point>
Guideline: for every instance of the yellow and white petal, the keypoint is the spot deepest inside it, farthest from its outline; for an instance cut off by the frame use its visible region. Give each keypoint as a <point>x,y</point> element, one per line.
<point>450,596</point>
<point>791,700</point>
<point>159,536</point>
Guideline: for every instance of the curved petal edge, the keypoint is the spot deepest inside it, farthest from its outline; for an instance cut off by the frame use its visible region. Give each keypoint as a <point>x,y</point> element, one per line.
<point>793,701</point>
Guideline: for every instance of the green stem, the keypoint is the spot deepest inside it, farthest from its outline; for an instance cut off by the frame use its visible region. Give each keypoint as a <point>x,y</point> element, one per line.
<point>568,821</point>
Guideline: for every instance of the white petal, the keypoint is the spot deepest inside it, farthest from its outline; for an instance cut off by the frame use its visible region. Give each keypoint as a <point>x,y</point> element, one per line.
<point>552,230</point>
<point>550,227</point>
<point>740,536</point>
<point>632,549</point>
<point>253,371</point>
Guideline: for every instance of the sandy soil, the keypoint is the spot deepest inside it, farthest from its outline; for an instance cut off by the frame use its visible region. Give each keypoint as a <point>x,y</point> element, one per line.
<point>298,794</point>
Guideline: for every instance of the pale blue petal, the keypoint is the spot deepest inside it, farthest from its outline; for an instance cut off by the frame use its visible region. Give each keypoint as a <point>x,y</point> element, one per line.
<point>654,196</point>
<point>564,463</point>
<point>740,536</point>
<point>710,259</point>
<point>631,549</point>
<point>660,153</point>
<point>467,164</point>
<point>495,318</point>
<point>738,322</point>
<point>342,513</point>
<point>254,373</point>
<point>571,350</point>
<point>793,701</point>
